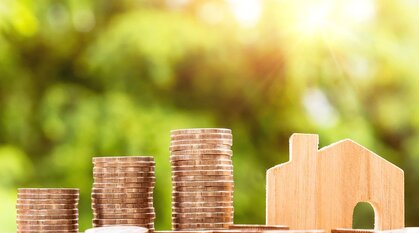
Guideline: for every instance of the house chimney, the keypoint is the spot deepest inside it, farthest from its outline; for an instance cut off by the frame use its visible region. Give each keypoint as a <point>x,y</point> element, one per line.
<point>304,147</point>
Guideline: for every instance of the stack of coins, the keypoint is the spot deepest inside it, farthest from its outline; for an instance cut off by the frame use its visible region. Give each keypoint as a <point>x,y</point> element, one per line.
<point>47,210</point>
<point>122,191</point>
<point>202,179</point>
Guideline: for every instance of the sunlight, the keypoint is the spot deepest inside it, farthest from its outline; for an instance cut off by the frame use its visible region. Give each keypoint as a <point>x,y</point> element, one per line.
<point>247,12</point>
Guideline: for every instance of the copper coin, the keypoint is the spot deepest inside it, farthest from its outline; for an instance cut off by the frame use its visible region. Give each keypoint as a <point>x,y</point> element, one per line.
<point>217,183</point>
<point>124,210</point>
<point>225,142</point>
<point>45,206</point>
<point>202,188</point>
<point>201,199</point>
<point>123,185</point>
<point>218,162</point>
<point>48,196</point>
<point>122,190</point>
<point>202,220</point>
<point>201,136</point>
<point>204,152</point>
<point>121,201</point>
<point>47,217</point>
<point>203,178</point>
<point>202,215</point>
<point>203,172</point>
<point>184,226</point>
<point>122,205</point>
<point>203,194</point>
<point>48,191</point>
<point>149,226</point>
<point>254,227</point>
<point>200,131</point>
<point>121,195</point>
<point>121,221</point>
<point>48,227</point>
<point>116,169</point>
<point>48,231</point>
<point>47,211</point>
<point>46,201</point>
<point>201,209</point>
<point>47,222</point>
<point>202,204</point>
<point>123,158</point>
<point>125,180</point>
<point>202,168</point>
<point>124,216</point>
<point>199,157</point>
<point>206,146</point>
<point>123,174</point>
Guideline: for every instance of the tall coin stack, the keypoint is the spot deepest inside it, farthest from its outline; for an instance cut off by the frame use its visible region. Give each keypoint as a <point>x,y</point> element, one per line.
<point>47,210</point>
<point>122,191</point>
<point>202,179</point>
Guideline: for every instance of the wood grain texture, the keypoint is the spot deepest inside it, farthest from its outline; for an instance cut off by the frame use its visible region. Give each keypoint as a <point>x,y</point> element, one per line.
<point>319,189</point>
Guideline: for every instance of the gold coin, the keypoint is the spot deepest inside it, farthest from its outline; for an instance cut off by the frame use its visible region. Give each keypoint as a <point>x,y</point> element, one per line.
<point>122,190</point>
<point>200,131</point>
<point>254,227</point>
<point>45,206</point>
<point>123,159</point>
<point>99,207</point>
<point>48,191</point>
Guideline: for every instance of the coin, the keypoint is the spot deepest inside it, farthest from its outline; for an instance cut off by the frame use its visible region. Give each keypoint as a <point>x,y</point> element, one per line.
<point>48,196</point>
<point>123,185</point>
<point>348,230</point>
<point>202,188</point>
<point>198,146</point>
<point>201,204</point>
<point>253,227</point>
<point>47,222</point>
<point>203,215</point>
<point>124,210</point>
<point>203,194</point>
<point>198,231</point>
<point>123,201</point>
<point>202,172</point>
<point>203,152</point>
<point>122,190</point>
<point>123,174</point>
<point>117,169</point>
<point>228,142</point>
<point>48,190</point>
<point>200,131</point>
<point>121,195</point>
<point>202,220</point>
<point>202,168</point>
<point>149,226</point>
<point>123,158</point>
<point>46,217</point>
<point>47,211</point>
<point>121,221</point>
<point>122,205</point>
<point>124,180</point>
<point>124,216</point>
<point>218,162</point>
<point>48,227</point>
<point>201,209</point>
<point>202,178</point>
<point>200,157</point>
<point>184,226</point>
<point>47,231</point>
<point>203,183</point>
<point>45,206</point>
<point>46,201</point>
<point>201,136</point>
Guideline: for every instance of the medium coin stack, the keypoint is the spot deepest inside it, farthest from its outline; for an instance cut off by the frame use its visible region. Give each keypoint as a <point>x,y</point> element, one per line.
<point>47,210</point>
<point>122,191</point>
<point>202,179</point>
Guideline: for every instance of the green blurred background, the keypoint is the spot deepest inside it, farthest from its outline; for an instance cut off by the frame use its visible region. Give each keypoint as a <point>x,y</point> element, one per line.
<point>81,78</point>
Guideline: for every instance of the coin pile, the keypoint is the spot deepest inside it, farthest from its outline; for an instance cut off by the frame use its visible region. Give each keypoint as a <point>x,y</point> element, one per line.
<point>202,179</point>
<point>47,210</point>
<point>122,192</point>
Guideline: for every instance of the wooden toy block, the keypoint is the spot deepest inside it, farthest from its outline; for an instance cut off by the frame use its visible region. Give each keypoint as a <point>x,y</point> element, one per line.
<point>319,189</point>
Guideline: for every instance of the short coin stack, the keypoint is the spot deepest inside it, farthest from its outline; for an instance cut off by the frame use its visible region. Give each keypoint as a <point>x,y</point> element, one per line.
<point>122,191</point>
<point>47,210</point>
<point>202,179</point>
